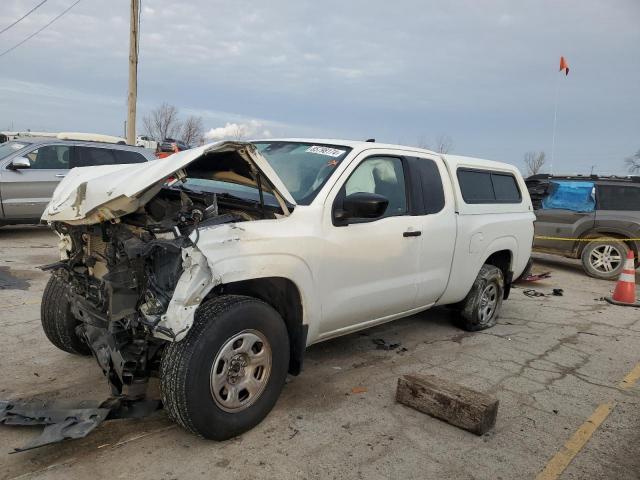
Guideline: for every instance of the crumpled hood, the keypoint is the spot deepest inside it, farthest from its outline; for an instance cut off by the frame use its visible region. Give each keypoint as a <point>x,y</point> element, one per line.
<point>90,195</point>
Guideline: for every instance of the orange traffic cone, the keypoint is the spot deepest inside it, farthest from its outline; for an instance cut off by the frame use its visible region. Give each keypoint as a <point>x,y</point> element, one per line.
<point>625,291</point>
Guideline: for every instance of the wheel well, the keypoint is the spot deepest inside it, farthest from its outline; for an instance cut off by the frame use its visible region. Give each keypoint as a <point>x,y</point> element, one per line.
<point>631,244</point>
<point>502,260</point>
<point>283,295</point>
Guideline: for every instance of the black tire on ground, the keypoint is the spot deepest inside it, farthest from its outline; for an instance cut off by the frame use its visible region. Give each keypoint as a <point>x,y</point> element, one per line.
<point>481,306</point>
<point>604,259</point>
<point>186,382</point>
<point>58,323</point>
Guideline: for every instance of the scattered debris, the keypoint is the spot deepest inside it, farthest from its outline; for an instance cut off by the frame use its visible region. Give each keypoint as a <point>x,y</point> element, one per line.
<point>556,292</point>
<point>66,423</point>
<point>382,344</point>
<point>359,390</point>
<point>530,292</point>
<point>535,278</point>
<point>10,281</point>
<point>455,404</point>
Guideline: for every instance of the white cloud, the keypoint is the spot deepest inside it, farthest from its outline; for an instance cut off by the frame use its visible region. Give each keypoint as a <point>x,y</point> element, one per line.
<point>237,131</point>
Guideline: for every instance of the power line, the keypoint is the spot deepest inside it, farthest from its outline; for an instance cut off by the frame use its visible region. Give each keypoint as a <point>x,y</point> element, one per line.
<point>40,30</point>
<point>24,16</point>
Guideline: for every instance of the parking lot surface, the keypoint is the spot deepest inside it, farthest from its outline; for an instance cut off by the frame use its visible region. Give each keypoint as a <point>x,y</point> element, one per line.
<point>552,361</point>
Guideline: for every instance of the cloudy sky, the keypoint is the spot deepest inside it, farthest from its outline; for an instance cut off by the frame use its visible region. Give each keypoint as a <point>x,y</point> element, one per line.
<point>485,73</point>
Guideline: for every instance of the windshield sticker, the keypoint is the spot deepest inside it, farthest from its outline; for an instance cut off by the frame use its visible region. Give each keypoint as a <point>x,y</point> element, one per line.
<point>331,152</point>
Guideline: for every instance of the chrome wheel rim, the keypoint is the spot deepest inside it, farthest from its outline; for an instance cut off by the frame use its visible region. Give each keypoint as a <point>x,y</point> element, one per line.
<point>605,258</point>
<point>488,303</point>
<point>240,371</point>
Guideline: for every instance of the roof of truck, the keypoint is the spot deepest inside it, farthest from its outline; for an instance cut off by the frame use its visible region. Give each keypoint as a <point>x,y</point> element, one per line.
<point>457,160</point>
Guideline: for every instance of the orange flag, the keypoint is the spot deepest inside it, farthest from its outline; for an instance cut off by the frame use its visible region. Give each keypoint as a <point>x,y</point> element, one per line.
<point>564,65</point>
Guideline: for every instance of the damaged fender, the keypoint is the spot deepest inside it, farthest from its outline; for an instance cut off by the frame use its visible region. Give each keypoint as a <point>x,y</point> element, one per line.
<point>194,284</point>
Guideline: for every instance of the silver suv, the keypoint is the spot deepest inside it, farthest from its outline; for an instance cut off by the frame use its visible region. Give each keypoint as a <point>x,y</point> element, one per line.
<point>31,168</point>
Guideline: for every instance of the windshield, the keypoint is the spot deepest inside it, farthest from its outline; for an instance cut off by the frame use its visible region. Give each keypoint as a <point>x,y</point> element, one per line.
<point>230,189</point>
<point>8,148</point>
<point>303,167</point>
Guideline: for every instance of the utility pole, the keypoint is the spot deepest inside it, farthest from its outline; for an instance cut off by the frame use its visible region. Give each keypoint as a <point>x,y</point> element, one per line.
<point>133,72</point>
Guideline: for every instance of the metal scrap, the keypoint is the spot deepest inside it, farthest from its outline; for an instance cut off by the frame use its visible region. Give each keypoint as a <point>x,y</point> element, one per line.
<point>70,423</point>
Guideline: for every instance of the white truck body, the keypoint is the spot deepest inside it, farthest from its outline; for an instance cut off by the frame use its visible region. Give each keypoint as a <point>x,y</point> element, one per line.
<point>348,277</point>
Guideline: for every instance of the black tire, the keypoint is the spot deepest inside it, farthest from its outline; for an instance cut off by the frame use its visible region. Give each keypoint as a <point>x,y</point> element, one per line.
<point>186,367</point>
<point>476,315</point>
<point>616,250</point>
<point>58,323</point>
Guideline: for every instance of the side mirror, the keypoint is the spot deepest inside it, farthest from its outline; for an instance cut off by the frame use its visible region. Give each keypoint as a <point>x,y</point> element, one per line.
<point>19,163</point>
<point>361,206</point>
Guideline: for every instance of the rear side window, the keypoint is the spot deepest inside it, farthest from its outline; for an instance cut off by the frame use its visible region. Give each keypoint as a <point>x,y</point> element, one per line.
<point>91,156</point>
<point>430,184</point>
<point>618,197</point>
<point>484,186</point>
<point>125,156</point>
<point>505,188</point>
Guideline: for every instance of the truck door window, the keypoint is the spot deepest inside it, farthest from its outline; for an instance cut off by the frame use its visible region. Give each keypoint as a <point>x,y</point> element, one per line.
<point>49,157</point>
<point>384,176</point>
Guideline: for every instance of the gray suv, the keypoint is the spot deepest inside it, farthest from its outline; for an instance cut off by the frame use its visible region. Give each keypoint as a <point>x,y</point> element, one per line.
<point>31,168</point>
<point>594,218</point>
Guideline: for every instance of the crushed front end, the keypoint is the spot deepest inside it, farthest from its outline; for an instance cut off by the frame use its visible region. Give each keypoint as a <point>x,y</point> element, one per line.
<point>121,276</point>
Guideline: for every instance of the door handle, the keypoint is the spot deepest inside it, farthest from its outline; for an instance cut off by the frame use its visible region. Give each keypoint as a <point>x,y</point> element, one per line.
<point>413,233</point>
<point>61,175</point>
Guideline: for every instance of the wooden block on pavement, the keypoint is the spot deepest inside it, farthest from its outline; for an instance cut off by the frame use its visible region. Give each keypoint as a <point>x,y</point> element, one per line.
<point>453,403</point>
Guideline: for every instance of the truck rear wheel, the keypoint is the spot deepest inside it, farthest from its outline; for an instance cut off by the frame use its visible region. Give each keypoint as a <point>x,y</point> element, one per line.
<point>225,376</point>
<point>58,323</point>
<point>481,307</point>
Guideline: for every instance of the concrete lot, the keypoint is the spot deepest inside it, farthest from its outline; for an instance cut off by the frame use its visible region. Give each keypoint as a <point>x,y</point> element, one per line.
<point>551,361</point>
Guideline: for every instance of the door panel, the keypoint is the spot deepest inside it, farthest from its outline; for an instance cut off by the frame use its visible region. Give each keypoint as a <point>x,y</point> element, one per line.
<point>26,192</point>
<point>369,270</point>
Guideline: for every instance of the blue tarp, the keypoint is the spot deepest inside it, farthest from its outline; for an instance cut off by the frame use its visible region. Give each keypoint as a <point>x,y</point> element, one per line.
<point>567,195</point>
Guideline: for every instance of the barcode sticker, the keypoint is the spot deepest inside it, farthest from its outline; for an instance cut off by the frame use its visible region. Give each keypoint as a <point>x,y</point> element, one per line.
<point>331,152</point>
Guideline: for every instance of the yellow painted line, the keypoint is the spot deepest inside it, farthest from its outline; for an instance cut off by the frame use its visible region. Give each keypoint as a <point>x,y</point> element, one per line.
<point>579,439</point>
<point>563,458</point>
<point>603,239</point>
<point>630,380</point>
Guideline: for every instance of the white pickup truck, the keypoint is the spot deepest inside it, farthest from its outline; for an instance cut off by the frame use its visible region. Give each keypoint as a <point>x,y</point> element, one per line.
<point>216,269</point>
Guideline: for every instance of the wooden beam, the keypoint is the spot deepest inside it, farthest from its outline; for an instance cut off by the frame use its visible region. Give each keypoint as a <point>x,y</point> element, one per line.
<point>455,404</point>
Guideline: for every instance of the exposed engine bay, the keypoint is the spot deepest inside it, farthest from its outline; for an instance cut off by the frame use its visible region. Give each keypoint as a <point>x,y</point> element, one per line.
<point>122,273</point>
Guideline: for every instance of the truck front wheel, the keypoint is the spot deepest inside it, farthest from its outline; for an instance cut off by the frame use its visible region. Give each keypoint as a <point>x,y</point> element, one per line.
<point>481,307</point>
<point>225,376</point>
<point>58,323</point>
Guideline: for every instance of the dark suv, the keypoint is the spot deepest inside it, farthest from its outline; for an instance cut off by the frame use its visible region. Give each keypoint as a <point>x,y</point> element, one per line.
<point>594,218</point>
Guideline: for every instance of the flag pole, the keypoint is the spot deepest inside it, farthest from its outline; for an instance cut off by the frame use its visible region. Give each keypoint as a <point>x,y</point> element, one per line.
<point>555,121</point>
